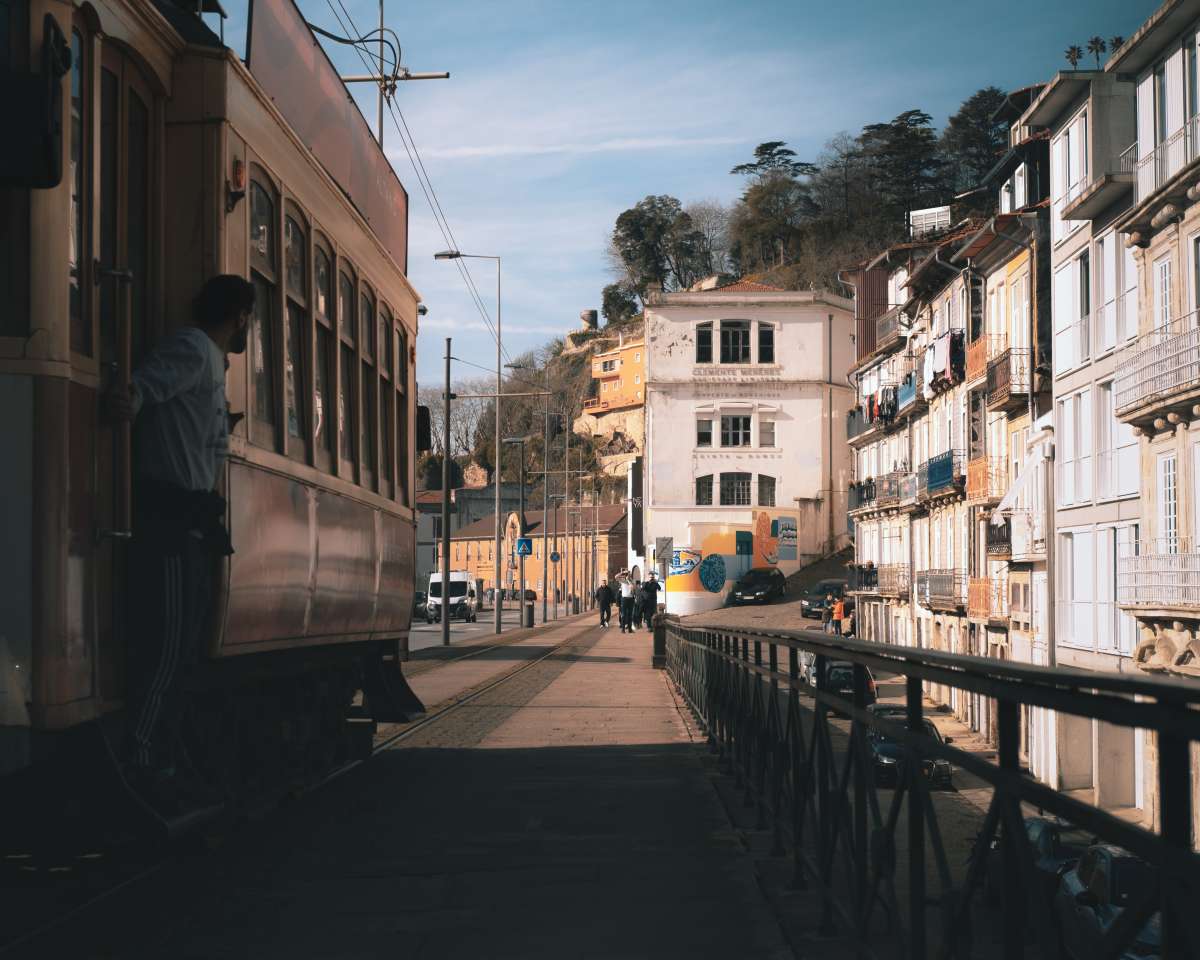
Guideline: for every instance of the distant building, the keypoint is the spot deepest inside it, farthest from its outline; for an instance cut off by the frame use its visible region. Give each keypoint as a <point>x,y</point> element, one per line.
<point>467,505</point>
<point>618,374</point>
<point>745,462</point>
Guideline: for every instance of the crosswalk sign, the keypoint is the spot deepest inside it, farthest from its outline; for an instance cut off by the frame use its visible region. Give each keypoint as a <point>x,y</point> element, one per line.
<point>524,546</point>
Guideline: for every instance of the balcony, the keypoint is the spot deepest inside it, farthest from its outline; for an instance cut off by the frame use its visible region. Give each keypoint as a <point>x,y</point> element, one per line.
<point>987,598</point>
<point>941,476</point>
<point>1008,380</point>
<point>999,540</point>
<point>1113,179</point>
<point>1161,575</point>
<point>861,495</point>
<point>941,590</point>
<point>1028,537</point>
<point>893,580</point>
<point>887,330</point>
<point>857,424</point>
<point>979,352</point>
<point>862,578</point>
<point>987,479</point>
<point>1158,167</point>
<point>909,490</point>
<point>1159,378</point>
<point>888,489</point>
<point>908,394</point>
<point>592,404</point>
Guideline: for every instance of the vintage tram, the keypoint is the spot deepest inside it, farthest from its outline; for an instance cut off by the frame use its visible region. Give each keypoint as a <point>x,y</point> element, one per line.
<point>179,161</point>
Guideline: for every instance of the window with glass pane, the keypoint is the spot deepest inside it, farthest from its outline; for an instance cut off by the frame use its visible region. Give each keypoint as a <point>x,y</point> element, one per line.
<point>735,341</point>
<point>262,223</point>
<point>324,285</point>
<point>386,399</point>
<point>321,405</point>
<point>704,433</point>
<point>346,318</point>
<point>704,333</point>
<point>766,343</point>
<point>766,433</point>
<point>296,386</point>
<point>110,138</point>
<point>766,490</point>
<point>262,352</point>
<point>81,330</point>
<point>367,319</point>
<point>735,431</point>
<point>294,259</point>
<point>367,422</point>
<point>347,409</point>
<point>735,489</point>
<point>704,491</point>
<point>386,359</point>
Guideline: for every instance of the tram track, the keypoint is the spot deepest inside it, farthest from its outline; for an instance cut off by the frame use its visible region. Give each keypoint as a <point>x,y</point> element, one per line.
<point>382,741</point>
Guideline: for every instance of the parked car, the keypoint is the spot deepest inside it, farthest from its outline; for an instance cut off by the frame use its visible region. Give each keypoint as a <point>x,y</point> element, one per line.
<point>1092,895</point>
<point>1057,846</point>
<point>839,679</point>
<point>418,604</point>
<point>812,601</point>
<point>888,757</point>
<point>758,585</point>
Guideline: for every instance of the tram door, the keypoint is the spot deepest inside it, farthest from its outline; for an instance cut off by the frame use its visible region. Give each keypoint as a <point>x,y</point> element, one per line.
<point>124,210</point>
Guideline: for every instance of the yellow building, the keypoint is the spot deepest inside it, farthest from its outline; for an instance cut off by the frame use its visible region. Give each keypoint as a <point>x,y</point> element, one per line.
<point>589,541</point>
<point>621,373</point>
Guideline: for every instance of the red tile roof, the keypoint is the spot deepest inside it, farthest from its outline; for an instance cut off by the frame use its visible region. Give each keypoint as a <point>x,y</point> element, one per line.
<point>611,514</point>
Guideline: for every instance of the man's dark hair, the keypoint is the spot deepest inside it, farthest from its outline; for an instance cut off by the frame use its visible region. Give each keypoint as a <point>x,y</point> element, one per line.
<point>221,297</point>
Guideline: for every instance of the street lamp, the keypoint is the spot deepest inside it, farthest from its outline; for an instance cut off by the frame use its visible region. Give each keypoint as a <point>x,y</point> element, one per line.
<point>459,255</point>
<point>520,441</point>
<point>555,497</point>
<point>546,414</point>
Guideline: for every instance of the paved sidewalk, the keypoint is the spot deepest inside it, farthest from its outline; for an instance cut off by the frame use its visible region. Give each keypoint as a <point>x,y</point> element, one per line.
<point>566,813</point>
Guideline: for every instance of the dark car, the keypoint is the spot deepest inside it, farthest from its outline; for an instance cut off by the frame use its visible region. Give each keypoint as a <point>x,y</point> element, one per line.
<point>1092,895</point>
<point>812,601</point>
<point>1056,846</point>
<point>839,680</point>
<point>888,757</point>
<point>759,585</point>
<point>418,609</point>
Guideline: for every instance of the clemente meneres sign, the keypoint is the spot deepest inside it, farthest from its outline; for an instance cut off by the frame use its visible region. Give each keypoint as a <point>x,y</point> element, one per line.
<point>292,68</point>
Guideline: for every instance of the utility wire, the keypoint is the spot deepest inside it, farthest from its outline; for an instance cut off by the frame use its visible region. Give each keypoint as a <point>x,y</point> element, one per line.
<point>418,169</point>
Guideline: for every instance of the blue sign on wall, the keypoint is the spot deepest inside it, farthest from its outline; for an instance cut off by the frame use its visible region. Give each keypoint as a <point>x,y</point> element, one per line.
<point>554,558</point>
<point>524,546</point>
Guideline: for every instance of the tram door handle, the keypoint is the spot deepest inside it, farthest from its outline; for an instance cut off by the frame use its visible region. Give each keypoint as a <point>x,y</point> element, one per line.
<point>123,432</point>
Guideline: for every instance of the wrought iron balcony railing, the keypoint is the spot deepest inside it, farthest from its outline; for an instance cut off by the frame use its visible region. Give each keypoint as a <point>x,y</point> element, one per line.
<point>1028,537</point>
<point>887,329</point>
<point>810,781</point>
<point>987,479</point>
<point>862,578</point>
<point>1161,369</point>
<point>893,580</point>
<point>999,540</point>
<point>857,424</point>
<point>909,489</point>
<point>941,475</point>
<point>941,589</point>
<point>1160,574</point>
<point>908,392</point>
<point>1008,379</point>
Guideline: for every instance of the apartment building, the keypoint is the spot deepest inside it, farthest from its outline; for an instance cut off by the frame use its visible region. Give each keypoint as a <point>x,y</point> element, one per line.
<point>618,374</point>
<point>1156,393</point>
<point>742,466</point>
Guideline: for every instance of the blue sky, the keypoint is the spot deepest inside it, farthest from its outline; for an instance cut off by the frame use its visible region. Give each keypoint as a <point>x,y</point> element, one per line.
<point>559,115</point>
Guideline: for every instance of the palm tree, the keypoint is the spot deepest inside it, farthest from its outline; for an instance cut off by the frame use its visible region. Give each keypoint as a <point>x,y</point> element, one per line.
<point>1114,43</point>
<point>1097,46</point>
<point>1074,53</point>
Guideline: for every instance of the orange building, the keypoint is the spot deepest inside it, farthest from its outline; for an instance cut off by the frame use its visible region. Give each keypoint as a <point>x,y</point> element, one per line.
<point>621,373</point>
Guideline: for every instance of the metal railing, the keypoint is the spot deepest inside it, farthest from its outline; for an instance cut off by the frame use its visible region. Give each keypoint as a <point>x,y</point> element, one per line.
<point>893,580</point>
<point>1007,377</point>
<point>979,352</point>
<point>862,494</point>
<point>1127,161</point>
<point>999,539</point>
<point>862,577</point>
<point>941,589</point>
<point>908,391</point>
<point>909,489</point>
<point>810,780</point>
<point>941,474</point>
<point>857,424</point>
<point>888,488</point>
<point>1160,364</point>
<point>987,478</point>
<point>1156,168</point>
<point>1160,573</point>
<point>887,329</point>
<point>979,598</point>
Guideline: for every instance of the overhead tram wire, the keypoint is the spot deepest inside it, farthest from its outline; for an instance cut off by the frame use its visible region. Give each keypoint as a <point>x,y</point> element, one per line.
<point>418,166</point>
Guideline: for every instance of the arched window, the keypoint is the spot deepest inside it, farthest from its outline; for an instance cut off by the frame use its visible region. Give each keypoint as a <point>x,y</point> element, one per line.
<point>402,414</point>
<point>264,276</point>
<point>324,354</point>
<point>295,258</point>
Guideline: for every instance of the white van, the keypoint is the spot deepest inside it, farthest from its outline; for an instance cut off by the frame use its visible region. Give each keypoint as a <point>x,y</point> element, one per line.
<point>462,605</point>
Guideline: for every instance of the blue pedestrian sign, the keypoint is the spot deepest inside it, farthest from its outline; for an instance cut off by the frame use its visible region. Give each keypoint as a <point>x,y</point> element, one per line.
<point>554,557</point>
<point>524,546</point>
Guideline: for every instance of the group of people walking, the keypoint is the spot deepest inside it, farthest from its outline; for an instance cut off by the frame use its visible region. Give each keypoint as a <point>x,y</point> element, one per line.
<point>835,618</point>
<point>638,601</point>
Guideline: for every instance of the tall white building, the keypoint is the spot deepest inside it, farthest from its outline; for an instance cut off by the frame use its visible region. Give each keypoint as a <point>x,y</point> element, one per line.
<point>746,462</point>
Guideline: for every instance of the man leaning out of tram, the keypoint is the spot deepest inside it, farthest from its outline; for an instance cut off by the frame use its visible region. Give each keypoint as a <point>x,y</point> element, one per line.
<point>176,400</point>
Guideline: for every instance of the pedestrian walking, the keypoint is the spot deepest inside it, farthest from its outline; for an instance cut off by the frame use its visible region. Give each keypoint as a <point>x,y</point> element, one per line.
<point>827,614</point>
<point>650,600</point>
<point>604,599</point>
<point>839,614</point>
<point>177,400</point>
<point>626,612</point>
<point>639,600</point>
<point>848,625</point>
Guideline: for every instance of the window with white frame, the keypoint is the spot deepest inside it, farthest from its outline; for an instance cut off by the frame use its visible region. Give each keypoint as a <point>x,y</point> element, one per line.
<point>1072,304</point>
<point>735,430</point>
<point>704,432</point>
<point>1106,292</point>
<point>607,366</point>
<point>1089,617</point>
<point>1068,172</point>
<point>1075,448</point>
<point>1161,293</point>
<point>1116,449</point>
<point>1127,310</point>
<point>1168,504</point>
<point>766,433</point>
<point>1076,588</point>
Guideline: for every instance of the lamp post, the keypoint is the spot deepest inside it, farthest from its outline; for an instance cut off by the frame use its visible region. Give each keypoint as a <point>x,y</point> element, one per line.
<point>520,441</point>
<point>446,505</point>
<point>459,255</point>
<point>555,497</point>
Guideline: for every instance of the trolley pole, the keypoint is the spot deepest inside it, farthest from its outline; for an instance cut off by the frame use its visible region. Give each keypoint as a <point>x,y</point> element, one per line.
<point>446,504</point>
<point>545,505</point>
<point>567,519</point>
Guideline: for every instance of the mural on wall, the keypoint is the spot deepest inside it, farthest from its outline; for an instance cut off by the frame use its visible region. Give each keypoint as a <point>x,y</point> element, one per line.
<point>786,530</point>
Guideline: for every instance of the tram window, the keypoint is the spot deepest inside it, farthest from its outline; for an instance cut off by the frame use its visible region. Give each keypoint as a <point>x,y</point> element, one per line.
<point>323,286</point>
<point>386,358</point>
<point>262,350</point>
<point>401,417</point>
<point>294,260</point>
<point>347,409</point>
<point>110,93</point>
<point>321,407</point>
<point>297,391</point>
<point>367,317</point>
<point>346,321</point>
<point>81,330</point>
<point>262,225</point>
<point>387,400</point>
<point>137,209</point>
<point>367,422</point>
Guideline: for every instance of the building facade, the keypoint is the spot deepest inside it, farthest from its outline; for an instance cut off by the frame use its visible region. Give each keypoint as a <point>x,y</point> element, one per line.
<point>467,505</point>
<point>615,414</point>
<point>742,466</point>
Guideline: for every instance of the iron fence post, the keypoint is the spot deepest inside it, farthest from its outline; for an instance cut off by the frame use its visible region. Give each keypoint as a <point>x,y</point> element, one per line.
<point>1175,815</point>
<point>825,812</point>
<point>658,659</point>
<point>916,832</point>
<point>1008,729</point>
<point>858,746</point>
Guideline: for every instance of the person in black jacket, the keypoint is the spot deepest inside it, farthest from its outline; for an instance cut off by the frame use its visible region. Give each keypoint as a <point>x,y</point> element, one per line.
<point>638,599</point>
<point>650,590</point>
<point>604,600</point>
